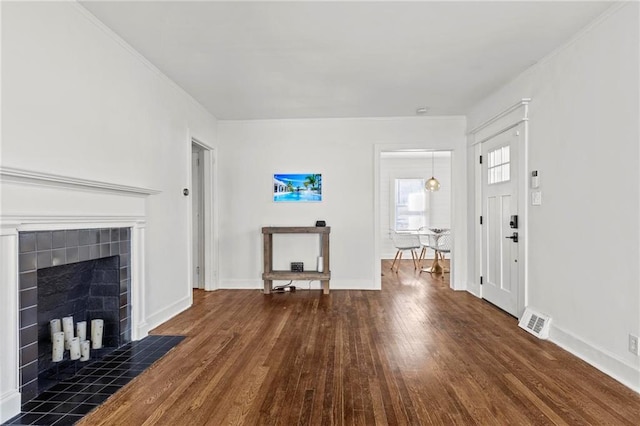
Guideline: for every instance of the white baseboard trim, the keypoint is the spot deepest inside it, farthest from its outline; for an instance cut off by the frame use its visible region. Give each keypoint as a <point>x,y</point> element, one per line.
<point>141,331</point>
<point>165,314</point>
<point>604,361</point>
<point>252,284</point>
<point>352,285</point>
<point>236,284</point>
<point>473,288</point>
<point>9,405</point>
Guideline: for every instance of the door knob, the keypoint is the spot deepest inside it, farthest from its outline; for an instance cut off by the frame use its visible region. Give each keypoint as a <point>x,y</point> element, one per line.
<point>514,237</point>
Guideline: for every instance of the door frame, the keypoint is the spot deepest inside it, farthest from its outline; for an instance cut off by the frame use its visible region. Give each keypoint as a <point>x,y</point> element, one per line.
<point>197,203</point>
<point>458,277</point>
<point>507,120</point>
<point>210,221</point>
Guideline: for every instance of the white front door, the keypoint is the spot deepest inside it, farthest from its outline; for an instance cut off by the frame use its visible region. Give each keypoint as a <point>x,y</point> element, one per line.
<point>500,267</point>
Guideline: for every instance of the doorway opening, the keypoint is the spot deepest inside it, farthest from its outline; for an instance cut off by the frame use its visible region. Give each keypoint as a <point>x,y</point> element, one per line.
<point>197,215</point>
<point>407,211</point>
<point>203,256</point>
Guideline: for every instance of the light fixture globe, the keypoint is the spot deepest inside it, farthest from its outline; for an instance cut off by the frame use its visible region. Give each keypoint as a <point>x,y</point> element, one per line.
<point>432,185</point>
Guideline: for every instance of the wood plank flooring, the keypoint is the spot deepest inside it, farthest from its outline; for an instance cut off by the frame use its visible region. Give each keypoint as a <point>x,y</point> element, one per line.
<point>416,353</point>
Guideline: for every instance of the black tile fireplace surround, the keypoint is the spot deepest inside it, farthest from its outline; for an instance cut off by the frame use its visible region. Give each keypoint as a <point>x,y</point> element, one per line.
<point>94,271</point>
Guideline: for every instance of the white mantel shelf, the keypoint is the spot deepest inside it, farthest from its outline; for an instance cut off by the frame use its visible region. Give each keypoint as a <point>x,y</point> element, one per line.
<point>40,178</point>
<point>37,201</point>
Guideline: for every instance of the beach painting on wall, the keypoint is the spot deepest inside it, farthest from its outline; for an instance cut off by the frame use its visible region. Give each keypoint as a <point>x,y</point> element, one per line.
<point>297,188</point>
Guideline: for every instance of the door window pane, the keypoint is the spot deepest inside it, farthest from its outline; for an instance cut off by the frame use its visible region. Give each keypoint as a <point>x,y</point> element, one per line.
<point>498,168</point>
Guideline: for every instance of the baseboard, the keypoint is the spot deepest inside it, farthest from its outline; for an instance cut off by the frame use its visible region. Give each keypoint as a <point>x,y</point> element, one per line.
<point>165,314</point>
<point>235,284</point>
<point>141,331</point>
<point>352,285</point>
<point>9,405</point>
<point>608,363</point>
<point>473,288</point>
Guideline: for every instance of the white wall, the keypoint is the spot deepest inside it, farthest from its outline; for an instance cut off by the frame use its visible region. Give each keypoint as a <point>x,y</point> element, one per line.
<point>343,150</point>
<point>78,102</point>
<point>417,165</point>
<point>584,245</point>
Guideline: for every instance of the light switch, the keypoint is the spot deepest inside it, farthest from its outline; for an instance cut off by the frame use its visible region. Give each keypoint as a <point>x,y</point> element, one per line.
<point>536,198</point>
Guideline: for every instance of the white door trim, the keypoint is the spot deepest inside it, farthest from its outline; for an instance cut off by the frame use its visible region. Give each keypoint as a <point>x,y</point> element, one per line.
<point>506,120</point>
<point>197,218</point>
<point>210,195</point>
<point>458,278</point>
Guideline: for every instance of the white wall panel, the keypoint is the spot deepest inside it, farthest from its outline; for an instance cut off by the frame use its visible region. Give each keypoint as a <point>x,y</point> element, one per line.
<point>584,240</point>
<point>343,151</point>
<point>78,102</point>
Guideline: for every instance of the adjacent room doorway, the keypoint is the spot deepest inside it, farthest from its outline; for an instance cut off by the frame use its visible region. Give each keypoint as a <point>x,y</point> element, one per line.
<point>198,215</point>
<point>404,204</point>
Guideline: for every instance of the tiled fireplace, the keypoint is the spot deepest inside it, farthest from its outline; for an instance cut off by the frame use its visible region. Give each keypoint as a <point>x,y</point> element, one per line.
<point>81,272</point>
<point>50,221</point>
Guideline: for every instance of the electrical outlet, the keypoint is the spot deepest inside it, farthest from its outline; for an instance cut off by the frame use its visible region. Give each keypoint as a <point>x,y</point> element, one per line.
<point>633,344</point>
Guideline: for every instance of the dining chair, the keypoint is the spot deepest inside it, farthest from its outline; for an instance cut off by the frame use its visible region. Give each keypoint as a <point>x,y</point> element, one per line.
<point>425,243</point>
<point>404,242</point>
<point>443,246</point>
<point>440,242</point>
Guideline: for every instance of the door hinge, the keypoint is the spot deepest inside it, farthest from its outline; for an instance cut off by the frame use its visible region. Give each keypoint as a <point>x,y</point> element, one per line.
<point>481,159</point>
<point>480,279</point>
<point>198,270</point>
<point>480,220</point>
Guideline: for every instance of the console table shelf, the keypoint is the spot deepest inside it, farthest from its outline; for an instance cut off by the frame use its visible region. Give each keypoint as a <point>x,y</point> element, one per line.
<point>269,275</point>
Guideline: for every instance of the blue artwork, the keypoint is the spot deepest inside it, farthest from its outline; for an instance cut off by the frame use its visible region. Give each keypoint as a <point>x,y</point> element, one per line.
<point>305,187</point>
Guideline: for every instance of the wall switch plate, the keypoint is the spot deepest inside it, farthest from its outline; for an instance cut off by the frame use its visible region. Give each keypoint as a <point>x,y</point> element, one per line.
<point>535,179</point>
<point>536,198</point>
<point>633,344</point>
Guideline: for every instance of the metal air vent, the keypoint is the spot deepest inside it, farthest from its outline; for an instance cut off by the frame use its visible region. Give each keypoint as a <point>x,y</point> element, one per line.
<point>535,323</point>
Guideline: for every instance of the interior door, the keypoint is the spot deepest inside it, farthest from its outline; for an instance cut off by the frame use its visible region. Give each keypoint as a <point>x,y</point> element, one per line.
<point>197,220</point>
<point>500,231</point>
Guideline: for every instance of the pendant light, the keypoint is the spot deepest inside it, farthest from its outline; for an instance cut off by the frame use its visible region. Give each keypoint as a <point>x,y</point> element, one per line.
<point>432,185</point>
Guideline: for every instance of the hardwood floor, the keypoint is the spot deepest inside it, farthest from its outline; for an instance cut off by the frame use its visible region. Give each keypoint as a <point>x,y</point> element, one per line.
<point>416,353</point>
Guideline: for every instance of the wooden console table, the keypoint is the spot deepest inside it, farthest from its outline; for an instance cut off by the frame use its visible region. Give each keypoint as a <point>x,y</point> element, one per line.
<point>269,275</point>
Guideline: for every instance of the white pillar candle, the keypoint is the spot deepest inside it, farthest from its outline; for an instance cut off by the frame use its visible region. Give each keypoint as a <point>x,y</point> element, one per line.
<point>81,330</point>
<point>57,352</point>
<point>67,328</point>
<point>84,350</point>
<point>97,327</point>
<point>74,351</point>
<point>55,326</point>
<point>320,264</point>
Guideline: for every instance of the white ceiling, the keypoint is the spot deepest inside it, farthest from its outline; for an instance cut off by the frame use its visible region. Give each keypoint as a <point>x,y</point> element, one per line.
<point>260,60</point>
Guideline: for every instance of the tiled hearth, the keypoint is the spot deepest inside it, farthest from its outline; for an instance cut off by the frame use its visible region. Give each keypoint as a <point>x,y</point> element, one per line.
<point>72,398</point>
<point>39,252</point>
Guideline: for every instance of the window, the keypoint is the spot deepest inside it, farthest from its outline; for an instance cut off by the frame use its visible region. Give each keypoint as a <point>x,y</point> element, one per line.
<point>498,167</point>
<point>410,204</point>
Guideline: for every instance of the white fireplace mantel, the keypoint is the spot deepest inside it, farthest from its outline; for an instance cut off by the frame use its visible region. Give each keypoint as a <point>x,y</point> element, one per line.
<point>29,203</point>
<point>32,177</point>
